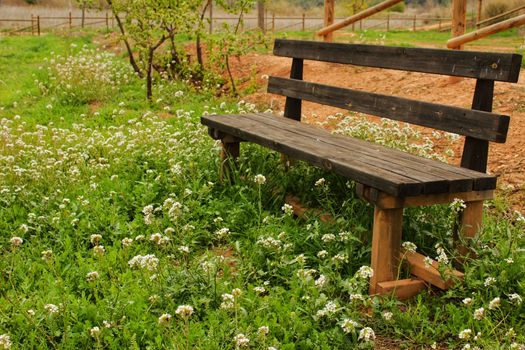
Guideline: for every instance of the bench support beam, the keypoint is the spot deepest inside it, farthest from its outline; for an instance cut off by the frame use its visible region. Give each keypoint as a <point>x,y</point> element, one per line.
<point>386,243</point>
<point>471,220</point>
<point>229,153</point>
<point>402,289</point>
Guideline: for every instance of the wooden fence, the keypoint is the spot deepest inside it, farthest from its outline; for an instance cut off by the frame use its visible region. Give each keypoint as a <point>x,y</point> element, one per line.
<point>36,24</point>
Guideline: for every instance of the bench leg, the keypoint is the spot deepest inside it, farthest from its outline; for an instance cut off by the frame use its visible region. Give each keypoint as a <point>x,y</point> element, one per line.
<point>229,154</point>
<point>386,244</point>
<point>470,222</point>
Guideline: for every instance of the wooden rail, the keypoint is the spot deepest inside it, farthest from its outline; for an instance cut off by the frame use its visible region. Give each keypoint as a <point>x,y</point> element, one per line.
<point>488,20</point>
<point>357,17</point>
<point>483,32</point>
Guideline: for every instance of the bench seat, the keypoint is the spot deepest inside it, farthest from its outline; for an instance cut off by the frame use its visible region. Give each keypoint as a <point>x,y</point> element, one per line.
<point>392,171</point>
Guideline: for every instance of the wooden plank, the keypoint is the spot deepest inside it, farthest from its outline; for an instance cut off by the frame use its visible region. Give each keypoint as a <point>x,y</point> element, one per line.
<point>329,28</point>
<point>459,19</point>
<point>292,107</point>
<point>482,181</point>
<point>470,64</point>
<point>385,201</point>
<point>386,243</point>
<point>429,273</point>
<point>402,289</point>
<point>489,30</point>
<point>475,151</point>
<point>315,154</point>
<point>300,210</point>
<point>459,179</point>
<point>229,153</point>
<point>348,150</point>
<point>471,220</point>
<point>478,124</point>
<point>431,182</point>
<point>501,15</point>
<point>329,10</point>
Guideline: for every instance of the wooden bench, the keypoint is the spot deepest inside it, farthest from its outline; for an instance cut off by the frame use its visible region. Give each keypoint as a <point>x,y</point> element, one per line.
<point>388,178</point>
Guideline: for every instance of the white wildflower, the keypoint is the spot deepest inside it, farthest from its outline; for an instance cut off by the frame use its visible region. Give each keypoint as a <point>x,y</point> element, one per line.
<point>259,290</point>
<point>349,325</point>
<point>409,247</point>
<point>489,281</point>
<point>126,242</point>
<point>428,262</point>
<point>92,276</point>
<point>16,241</point>
<point>221,233</point>
<point>367,334</point>
<point>365,272</point>
<point>515,298</point>
<point>94,332</point>
<point>494,303</point>
<point>51,308</point>
<point>321,281</point>
<point>5,342</point>
<point>287,209</point>
<point>164,319</point>
<point>322,254</point>
<point>259,179</point>
<point>149,262</point>
<point>184,249</point>
<point>47,255</point>
<point>99,250</point>
<point>95,239</point>
<point>467,301</point>
<point>465,334</point>
<point>241,341</point>
<point>184,311</point>
<point>387,315</point>
<point>479,314</point>
<point>263,331</point>
<point>320,182</point>
<point>329,237</point>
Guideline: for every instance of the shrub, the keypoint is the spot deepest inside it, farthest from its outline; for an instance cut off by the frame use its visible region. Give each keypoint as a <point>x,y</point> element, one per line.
<point>87,76</point>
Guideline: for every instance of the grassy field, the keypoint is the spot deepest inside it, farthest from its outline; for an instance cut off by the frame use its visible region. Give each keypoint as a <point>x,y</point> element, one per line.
<point>115,231</point>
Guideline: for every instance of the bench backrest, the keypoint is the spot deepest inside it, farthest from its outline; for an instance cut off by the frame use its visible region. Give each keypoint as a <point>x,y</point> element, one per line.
<point>478,124</point>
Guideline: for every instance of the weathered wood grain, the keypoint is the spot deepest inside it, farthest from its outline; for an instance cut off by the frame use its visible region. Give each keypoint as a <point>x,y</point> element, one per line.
<point>362,161</point>
<point>477,124</point>
<point>470,64</point>
<point>292,106</point>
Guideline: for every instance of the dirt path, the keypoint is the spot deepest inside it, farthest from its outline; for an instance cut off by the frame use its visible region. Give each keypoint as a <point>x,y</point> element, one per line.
<point>505,160</point>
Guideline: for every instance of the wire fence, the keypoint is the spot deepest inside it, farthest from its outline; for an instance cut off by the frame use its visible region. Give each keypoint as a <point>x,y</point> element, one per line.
<point>36,24</point>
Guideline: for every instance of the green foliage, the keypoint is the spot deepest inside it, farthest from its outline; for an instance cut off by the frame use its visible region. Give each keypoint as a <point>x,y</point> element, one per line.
<point>124,223</point>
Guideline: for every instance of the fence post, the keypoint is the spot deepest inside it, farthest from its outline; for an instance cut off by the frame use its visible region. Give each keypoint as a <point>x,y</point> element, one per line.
<point>414,25</point>
<point>388,22</point>
<point>303,24</point>
<point>439,27</point>
<point>361,25</point>
<point>70,21</point>
<point>38,24</point>
<point>32,25</point>
<point>273,22</point>
<point>107,20</point>
<point>211,16</point>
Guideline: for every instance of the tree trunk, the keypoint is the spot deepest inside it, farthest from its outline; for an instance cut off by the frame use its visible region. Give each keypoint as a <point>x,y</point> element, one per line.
<point>126,43</point>
<point>232,81</point>
<point>149,76</point>
<point>83,14</point>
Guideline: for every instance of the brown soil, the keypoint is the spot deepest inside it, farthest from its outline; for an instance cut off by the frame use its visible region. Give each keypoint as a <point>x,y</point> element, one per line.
<point>505,160</point>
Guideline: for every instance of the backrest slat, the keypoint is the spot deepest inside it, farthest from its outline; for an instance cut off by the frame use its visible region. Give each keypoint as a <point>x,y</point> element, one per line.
<point>470,64</point>
<point>477,124</point>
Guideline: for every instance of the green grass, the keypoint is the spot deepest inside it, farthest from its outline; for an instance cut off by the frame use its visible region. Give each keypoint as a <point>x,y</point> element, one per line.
<point>144,177</point>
